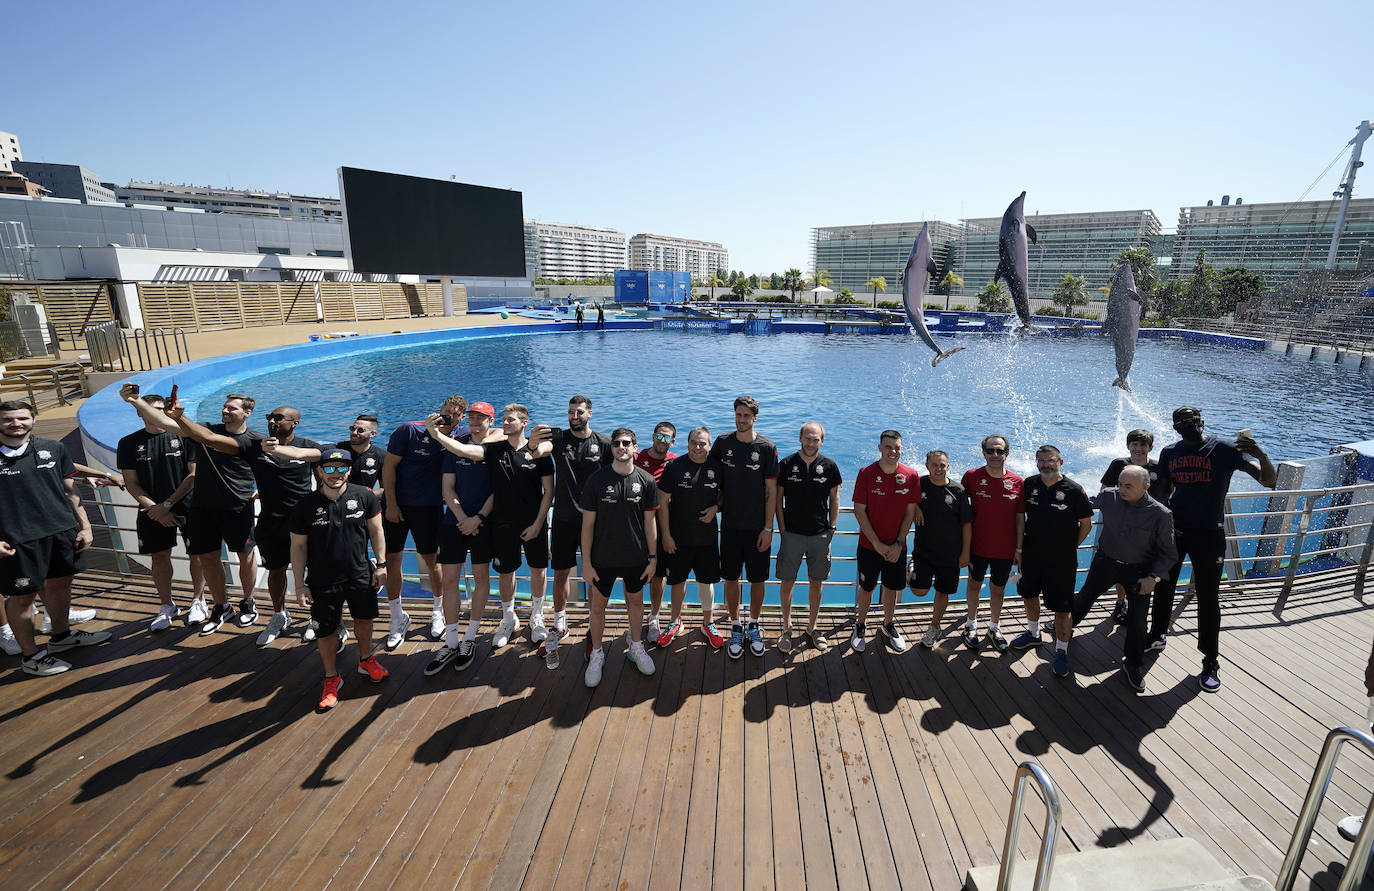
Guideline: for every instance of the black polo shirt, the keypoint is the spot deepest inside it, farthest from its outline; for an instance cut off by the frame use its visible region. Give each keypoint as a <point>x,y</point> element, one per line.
<point>336,551</point>
<point>33,500</point>
<point>747,466</point>
<point>1111,477</point>
<point>367,467</point>
<point>806,504</point>
<point>575,460</point>
<point>282,482</point>
<point>945,509</point>
<point>1200,475</point>
<point>1052,515</point>
<point>224,481</point>
<point>618,538</point>
<point>692,488</point>
<point>159,461</point>
<point>516,482</point>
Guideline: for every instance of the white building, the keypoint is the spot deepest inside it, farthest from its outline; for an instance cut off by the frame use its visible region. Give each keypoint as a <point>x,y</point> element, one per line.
<point>242,201</point>
<point>561,250</point>
<point>9,151</point>
<point>700,258</point>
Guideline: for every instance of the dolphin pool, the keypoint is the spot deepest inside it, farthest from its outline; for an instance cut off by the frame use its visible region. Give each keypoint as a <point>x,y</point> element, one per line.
<point>1033,390</point>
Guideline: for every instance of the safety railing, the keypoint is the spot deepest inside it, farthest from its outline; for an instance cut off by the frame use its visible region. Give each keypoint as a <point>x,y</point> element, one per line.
<point>57,384</point>
<point>1044,864</point>
<point>1307,817</point>
<point>112,348</point>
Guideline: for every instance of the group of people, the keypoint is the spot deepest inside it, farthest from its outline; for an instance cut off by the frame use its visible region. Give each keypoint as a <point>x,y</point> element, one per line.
<point>466,491</point>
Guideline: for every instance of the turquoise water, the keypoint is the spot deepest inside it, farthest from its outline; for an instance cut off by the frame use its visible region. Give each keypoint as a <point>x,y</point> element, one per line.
<point>1032,390</point>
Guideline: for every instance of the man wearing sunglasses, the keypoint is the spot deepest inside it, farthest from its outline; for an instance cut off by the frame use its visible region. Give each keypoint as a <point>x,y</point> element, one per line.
<point>653,460</point>
<point>619,539</point>
<point>330,531</point>
<point>999,519</point>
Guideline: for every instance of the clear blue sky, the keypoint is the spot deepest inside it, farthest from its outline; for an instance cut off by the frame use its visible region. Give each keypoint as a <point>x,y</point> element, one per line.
<point>741,123</point>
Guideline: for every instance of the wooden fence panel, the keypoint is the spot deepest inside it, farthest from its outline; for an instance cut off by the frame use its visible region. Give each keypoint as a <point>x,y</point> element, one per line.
<point>367,301</point>
<point>218,305</point>
<point>298,302</point>
<point>167,306</point>
<point>337,299</point>
<point>70,306</point>
<point>262,303</point>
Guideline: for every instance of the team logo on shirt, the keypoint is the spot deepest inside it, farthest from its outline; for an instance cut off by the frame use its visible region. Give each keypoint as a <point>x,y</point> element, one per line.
<point>1008,485</point>
<point>710,474</point>
<point>174,442</point>
<point>753,456</point>
<point>351,504</point>
<point>142,451</point>
<point>635,487</point>
<point>610,490</point>
<point>21,583</point>
<point>949,499</point>
<point>320,511</point>
<point>594,449</point>
<point>1058,496</point>
<point>370,462</point>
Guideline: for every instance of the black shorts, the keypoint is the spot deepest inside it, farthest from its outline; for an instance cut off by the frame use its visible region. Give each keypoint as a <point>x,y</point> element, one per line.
<point>702,561</point>
<point>153,537</point>
<point>421,522</point>
<point>1053,581</point>
<point>211,527</point>
<point>872,568</point>
<point>661,564</point>
<point>327,603</point>
<point>455,547</point>
<point>979,566</point>
<point>739,550</point>
<point>607,576</point>
<point>944,576</point>
<point>506,546</point>
<point>273,535</point>
<point>34,562</point>
<point>567,538</point>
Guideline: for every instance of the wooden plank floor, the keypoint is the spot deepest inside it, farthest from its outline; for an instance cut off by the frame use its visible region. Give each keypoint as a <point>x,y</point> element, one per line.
<point>178,761</point>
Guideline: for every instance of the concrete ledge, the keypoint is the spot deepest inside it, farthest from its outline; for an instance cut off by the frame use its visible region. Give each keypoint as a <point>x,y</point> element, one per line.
<point>1175,863</point>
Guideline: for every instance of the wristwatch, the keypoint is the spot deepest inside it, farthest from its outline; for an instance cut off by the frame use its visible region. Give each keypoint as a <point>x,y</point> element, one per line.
<point>1157,579</point>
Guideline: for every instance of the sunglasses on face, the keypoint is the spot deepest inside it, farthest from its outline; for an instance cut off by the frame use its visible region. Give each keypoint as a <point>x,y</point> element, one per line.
<point>663,437</point>
<point>359,430</point>
<point>623,443</point>
<point>994,451</point>
<point>334,468</point>
<point>277,416</point>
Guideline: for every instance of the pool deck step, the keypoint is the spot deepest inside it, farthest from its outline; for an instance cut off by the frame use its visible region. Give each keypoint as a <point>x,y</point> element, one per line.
<point>1176,864</point>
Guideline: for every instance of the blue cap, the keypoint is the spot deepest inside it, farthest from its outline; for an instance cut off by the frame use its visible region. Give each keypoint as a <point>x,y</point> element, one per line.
<point>336,456</point>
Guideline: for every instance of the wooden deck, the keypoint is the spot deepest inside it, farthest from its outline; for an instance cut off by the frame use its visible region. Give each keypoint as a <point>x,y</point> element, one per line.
<point>180,761</point>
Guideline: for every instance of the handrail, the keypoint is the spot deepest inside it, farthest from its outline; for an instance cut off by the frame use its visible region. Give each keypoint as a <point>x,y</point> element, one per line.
<point>1307,817</point>
<point>1053,821</point>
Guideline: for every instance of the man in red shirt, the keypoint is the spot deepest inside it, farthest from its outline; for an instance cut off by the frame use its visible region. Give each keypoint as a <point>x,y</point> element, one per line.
<point>886,496</point>
<point>653,459</point>
<point>999,521</point>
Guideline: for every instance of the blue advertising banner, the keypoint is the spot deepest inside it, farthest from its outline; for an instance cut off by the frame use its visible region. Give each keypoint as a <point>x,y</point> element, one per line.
<point>631,286</point>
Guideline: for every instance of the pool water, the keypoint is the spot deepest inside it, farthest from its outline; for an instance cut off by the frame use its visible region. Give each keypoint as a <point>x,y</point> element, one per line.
<point>1033,390</point>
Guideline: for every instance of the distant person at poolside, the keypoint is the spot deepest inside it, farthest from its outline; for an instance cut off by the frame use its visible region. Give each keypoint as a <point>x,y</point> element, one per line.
<point>1139,443</point>
<point>601,315</point>
<point>1196,472</point>
<point>578,311</point>
<point>999,515</point>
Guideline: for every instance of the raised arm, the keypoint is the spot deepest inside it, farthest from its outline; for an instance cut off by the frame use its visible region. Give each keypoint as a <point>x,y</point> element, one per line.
<point>202,434</point>
<point>471,451</point>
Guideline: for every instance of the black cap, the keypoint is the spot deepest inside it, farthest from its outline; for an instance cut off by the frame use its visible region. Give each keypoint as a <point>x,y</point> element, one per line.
<point>336,456</point>
<point>1186,413</point>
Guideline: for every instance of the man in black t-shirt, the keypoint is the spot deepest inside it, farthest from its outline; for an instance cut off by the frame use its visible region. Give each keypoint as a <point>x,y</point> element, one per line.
<point>222,500</point>
<point>522,493</point>
<point>749,501</point>
<point>44,533</point>
<point>943,534</point>
<point>159,472</point>
<point>689,499</point>
<point>620,541</point>
<point>330,531</point>
<point>808,509</point>
<point>1139,443</point>
<point>282,483</point>
<point>1196,472</point>
<point>1058,519</point>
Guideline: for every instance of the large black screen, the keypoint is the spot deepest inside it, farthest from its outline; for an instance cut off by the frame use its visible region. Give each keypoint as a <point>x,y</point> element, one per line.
<point>407,224</point>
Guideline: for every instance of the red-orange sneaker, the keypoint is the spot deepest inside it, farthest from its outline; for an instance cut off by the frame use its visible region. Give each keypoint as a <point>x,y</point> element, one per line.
<point>330,697</point>
<point>373,669</point>
<point>713,636</point>
<point>667,636</point>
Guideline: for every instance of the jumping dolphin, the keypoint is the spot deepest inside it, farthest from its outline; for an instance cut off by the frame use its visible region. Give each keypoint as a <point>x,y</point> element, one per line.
<point>1012,260</point>
<point>918,265</point>
<point>1123,322</point>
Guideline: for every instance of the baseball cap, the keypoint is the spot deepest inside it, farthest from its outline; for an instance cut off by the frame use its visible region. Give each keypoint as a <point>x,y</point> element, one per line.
<point>336,456</point>
<point>1186,413</point>
<point>482,408</point>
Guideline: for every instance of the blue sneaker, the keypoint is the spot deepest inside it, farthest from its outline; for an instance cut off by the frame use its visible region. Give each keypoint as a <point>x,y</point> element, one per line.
<point>755,635</point>
<point>1061,663</point>
<point>1025,641</point>
<point>736,648</point>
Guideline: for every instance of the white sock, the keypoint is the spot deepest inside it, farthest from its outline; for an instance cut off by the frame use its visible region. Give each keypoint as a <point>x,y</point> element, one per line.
<point>439,605</point>
<point>394,609</point>
<point>471,633</point>
<point>508,609</point>
<point>1061,646</point>
<point>6,630</point>
<point>1033,628</point>
<point>992,627</point>
<point>537,606</point>
<point>452,634</point>
<point>560,619</point>
<point>971,625</point>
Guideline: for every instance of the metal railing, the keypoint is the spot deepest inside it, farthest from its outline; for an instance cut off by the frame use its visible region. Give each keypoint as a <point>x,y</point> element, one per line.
<point>1300,330</point>
<point>1307,817</point>
<point>1044,864</point>
<point>58,384</point>
<point>112,348</point>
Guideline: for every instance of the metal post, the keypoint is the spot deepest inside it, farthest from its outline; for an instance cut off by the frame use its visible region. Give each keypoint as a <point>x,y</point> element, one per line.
<point>1053,817</point>
<point>1307,817</point>
<point>1362,132</point>
<point>1303,523</point>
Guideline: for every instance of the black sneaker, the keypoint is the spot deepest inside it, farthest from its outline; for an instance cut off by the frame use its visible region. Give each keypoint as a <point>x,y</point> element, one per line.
<point>1208,680</point>
<point>219,614</point>
<point>248,613</point>
<point>467,651</point>
<point>1119,614</point>
<point>892,637</point>
<point>1135,677</point>
<point>970,638</point>
<point>442,657</point>
<point>1157,644</point>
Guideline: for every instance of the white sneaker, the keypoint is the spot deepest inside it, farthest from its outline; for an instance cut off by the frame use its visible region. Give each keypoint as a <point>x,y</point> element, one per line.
<point>397,633</point>
<point>436,625</point>
<point>198,613</point>
<point>538,633</point>
<point>275,626</point>
<point>75,616</point>
<point>640,658</point>
<point>310,632</point>
<point>8,643</point>
<point>505,631</point>
<point>592,676</point>
<point>42,665</point>
<point>163,620</point>
<point>653,629</point>
<point>76,639</point>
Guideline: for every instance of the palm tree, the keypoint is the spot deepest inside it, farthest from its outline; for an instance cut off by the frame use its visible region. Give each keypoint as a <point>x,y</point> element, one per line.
<point>950,283</point>
<point>714,282</point>
<point>879,286</point>
<point>993,298</point>
<point>1072,291</point>
<point>742,288</point>
<point>793,281</point>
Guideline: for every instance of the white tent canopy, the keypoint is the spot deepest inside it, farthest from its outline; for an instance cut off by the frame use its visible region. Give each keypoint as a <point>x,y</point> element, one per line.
<point>819,293</point>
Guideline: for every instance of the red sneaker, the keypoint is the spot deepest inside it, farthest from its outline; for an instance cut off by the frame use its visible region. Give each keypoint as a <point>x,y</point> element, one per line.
<point>330,697</point>
<point>673,631</point>
<point>713,636</point>
<point>373,669</point>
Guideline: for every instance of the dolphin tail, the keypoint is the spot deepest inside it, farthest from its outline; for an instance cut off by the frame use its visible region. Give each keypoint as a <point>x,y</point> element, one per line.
<point>1123,384</point>
<point>945,354</point>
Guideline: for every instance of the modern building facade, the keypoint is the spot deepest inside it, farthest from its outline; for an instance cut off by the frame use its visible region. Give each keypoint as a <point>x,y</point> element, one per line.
<point>12,183</point>
<point>562,250</point>
<point>1279,241</point>
<point>9,151</point>
<point>854,254</point>
<point>66,181</point>
<point>240,201</point>
<point>699,258</point>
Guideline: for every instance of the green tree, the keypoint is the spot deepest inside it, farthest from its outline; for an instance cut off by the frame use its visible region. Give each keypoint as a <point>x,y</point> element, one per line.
<point>1072,291</point>
<point>846,294</point>
<point>994,298</point>
<point>1144,268</point>
<point>754,282</point>
<point>1235,285</point>
<point>950,283</point>
<point>742,289</point>
<point>821,279</point>
<point>1168,301</point>
<point>714,282</point>
<point>1200,291</point>
<point>878,285</point>
<point>793,281</point>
